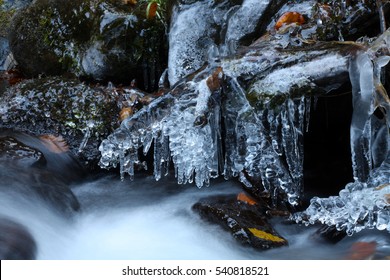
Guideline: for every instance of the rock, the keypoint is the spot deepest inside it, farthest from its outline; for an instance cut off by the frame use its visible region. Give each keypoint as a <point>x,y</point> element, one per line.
<point>15,151</point>
<point>329,234</point>
<point>247,222</point>
<point>93,39</point>
<point>79,113</point>
<point>7,9</point>
<point>16,242</point>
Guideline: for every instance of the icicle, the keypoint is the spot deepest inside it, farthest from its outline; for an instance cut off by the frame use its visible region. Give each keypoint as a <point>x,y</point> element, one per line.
<point>361,74</point>
<point>365,203</point>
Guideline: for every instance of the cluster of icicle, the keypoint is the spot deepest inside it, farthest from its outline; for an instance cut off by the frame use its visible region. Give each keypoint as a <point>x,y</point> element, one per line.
<point>186,125</point>
<point>364,203</point>
<point>175,126</point>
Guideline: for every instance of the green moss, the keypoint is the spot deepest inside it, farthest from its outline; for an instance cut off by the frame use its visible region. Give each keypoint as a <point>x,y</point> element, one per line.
<point>5,19</point>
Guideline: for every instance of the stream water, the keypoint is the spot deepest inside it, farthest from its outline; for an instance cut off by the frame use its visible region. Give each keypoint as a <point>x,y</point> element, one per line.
<point>145,219</point>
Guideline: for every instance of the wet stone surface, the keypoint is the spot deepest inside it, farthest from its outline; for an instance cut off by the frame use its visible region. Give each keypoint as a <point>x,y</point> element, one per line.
<point>246,221</point>
<point>16,243</point>
<point>79,113</point>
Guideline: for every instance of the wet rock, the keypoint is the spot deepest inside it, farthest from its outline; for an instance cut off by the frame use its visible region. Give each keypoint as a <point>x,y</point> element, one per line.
<point>329,234</point>
<point>96,39</point>
<point>7,9</point>
<point>327,20</point>
<point>17,152</point>
<point>16,242</point>
<point>247,222</point>
<point>217,29</point>
<point>79,113</point>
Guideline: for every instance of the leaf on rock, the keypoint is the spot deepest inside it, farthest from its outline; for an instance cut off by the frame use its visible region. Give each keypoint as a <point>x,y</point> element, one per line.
<point>289,18</point>
<point>265,235</point>
<point>246,198</point>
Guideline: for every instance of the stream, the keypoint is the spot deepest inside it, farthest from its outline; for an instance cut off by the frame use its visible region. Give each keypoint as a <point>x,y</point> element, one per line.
<point>145,219</point>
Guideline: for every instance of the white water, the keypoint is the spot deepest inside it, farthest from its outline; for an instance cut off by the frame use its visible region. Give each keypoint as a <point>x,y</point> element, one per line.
<point>146,219</point>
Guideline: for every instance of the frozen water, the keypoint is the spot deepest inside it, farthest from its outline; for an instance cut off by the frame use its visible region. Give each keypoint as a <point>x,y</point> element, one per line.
<point>245,19</point>
<point>364,203</point>
<point>184,129</point>
<point>190,36</point>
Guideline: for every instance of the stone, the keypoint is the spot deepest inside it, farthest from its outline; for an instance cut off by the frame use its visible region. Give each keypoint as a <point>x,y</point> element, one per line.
<point>247,222</point>
<point>94,39</point>
<point>79,113</point>
<point>16,242</point>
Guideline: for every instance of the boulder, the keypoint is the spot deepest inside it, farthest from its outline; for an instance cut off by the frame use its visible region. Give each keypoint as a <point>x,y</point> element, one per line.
<point>66,108</point>
<point>103,40</point>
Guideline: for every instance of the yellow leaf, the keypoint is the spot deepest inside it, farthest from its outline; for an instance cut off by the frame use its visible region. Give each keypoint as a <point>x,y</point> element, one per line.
<point>265,235</point>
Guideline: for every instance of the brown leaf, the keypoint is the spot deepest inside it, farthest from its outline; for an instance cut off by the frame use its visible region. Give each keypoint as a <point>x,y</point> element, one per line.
<point>125,113</point>
<point>55,144</point>
<point>362,250</point>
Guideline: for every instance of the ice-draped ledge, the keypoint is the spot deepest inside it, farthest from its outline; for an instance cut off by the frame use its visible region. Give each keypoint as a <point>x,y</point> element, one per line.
<point>185,125</point>
<point>364,203</point>
<point>262,139</point>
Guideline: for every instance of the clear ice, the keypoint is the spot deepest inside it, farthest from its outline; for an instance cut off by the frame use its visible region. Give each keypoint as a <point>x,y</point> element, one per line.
<point>365,203</point>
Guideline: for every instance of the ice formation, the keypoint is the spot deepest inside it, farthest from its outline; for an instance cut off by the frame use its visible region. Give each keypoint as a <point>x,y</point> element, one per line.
<point>364,203</point>
<point>262,140</point>
<point>182,127</point>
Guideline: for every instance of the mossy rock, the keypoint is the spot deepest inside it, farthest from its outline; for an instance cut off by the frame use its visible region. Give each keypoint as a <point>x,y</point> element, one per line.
<point>95,39</point>
<point>81,114</point>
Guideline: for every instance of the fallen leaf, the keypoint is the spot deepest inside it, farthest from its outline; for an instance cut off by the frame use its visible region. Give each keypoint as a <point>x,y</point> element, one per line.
<point>55,144</point>
<point>362,250</point>
<point>151,10</point>
<point>289,18</point>
<point>265,235</point>
<point>125,113</point>
<point>246,198</point>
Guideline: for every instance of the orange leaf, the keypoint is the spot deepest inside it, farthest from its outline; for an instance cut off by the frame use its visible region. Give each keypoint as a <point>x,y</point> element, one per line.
<point>289,18</point>
<point>151,10</point>
<point>245,198</point>
<point>362,250</point>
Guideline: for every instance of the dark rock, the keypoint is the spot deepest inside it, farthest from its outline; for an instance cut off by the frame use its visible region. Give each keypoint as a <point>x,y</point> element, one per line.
<point>80,114</point>
<point>97,39</point>
<point>16,243</point>
<point>329,234</point>
<point>40,185</point>
<point>15,151</point>
<point>246,222</point>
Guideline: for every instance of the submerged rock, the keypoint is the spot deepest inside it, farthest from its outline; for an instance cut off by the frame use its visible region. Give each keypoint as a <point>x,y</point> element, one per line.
<point>245,220</point>
<point>97,39</point>
<point>16,242</point>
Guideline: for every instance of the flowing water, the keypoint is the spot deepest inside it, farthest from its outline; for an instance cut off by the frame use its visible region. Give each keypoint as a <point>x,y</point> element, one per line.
<point>145,219</point>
